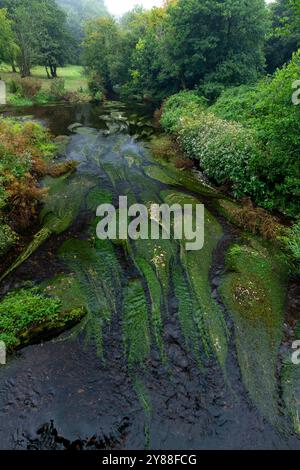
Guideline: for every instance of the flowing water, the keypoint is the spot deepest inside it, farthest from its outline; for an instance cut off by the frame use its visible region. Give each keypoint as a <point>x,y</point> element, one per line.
<point>154,363</point>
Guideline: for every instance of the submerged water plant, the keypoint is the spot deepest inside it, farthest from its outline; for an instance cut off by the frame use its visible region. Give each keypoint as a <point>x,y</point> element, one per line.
<point>254,292</point>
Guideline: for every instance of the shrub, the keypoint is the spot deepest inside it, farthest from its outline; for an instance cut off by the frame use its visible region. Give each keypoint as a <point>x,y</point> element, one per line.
<point>57,88</point>
<point>30,87</point>
<point>257,220</point>
<point>14,86</point>
<point>183,104</point>
<point>8,238</point>
<point>96,88</point>
<point>268,109</point>
<point>23,150</point>
<point>249,139</point>
<point>292,243</point>
<point>224,149</point>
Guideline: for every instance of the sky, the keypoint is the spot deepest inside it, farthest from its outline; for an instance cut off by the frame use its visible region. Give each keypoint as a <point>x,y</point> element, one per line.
<point>118,7</point>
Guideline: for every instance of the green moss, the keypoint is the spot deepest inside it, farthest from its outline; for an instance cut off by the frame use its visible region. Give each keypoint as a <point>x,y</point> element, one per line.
<point>27,315</point>
<point>207,315</point>
<point>65,287</point>
<point>291,392</point>
<point>143,395</point>
<point>185,179</point>
<point>254,292</point>
<point>97,273</point>
<point>136,330</point>
<point>8,238</point>
<point>98,196</point>
<point>65,198</point>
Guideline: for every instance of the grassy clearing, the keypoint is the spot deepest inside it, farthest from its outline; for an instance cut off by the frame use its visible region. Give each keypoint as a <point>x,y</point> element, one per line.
<point>71,85</point>
<point>72,74</point>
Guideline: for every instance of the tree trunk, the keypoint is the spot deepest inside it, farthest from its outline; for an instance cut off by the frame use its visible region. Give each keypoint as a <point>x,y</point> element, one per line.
<point>53,70</point>
<point>47,71</point>
<point>13,66</point>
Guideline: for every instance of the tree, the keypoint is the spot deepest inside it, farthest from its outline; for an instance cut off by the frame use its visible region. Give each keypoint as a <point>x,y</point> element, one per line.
<point>8,47</point>
<point>100,48</point>
<point>41,34</point>
<point>214,43</point>
<point>186,44</point>
<point>55,40</point>
<point>285,35</point>
<point>78,13</point>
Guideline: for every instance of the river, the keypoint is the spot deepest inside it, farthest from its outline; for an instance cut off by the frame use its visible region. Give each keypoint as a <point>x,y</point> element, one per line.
<point>69,393</point>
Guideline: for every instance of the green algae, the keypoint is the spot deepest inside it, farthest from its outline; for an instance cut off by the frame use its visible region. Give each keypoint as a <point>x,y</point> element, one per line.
<point>208,316</point>
<point>168,174</point>
<point>38,239</point>
<point>136,329</point>
<point>157,302</point>
<point>186,312</point>
<point>99,283</point>
<point>65,198</point>
<point>290,384</point>
<point>253,290</point>
<point>98,196</point>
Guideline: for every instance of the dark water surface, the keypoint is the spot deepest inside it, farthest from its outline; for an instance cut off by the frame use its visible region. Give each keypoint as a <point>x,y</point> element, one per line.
<point>60,395</point>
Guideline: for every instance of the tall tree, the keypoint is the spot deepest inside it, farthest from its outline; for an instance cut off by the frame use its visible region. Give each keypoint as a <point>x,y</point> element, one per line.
<point>212,43</point>
<point>285,35</point>
<point>78,13</point>
<point>41,34</point>
<point>100,48</point>
<point>8,47</point>
<point>55,39</point>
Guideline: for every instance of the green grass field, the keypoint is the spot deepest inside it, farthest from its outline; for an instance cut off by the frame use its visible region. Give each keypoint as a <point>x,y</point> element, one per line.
<point>72,74</point>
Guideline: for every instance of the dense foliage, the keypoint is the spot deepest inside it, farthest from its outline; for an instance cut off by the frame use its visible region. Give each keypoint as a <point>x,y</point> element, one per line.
<point>41,35</point>
<point>284,38</point>
<point>185,44</point>
<point>249,139</point>
<point>25,152</point>
<point>78,12</point>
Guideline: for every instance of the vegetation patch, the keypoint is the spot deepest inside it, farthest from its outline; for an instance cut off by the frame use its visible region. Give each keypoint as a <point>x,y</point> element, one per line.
<point>136,328</point>
<point>207,315</point>
<point>254,291</point>
<point>98,274</point>
<point>8,238</point>
<point>27,315</point>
